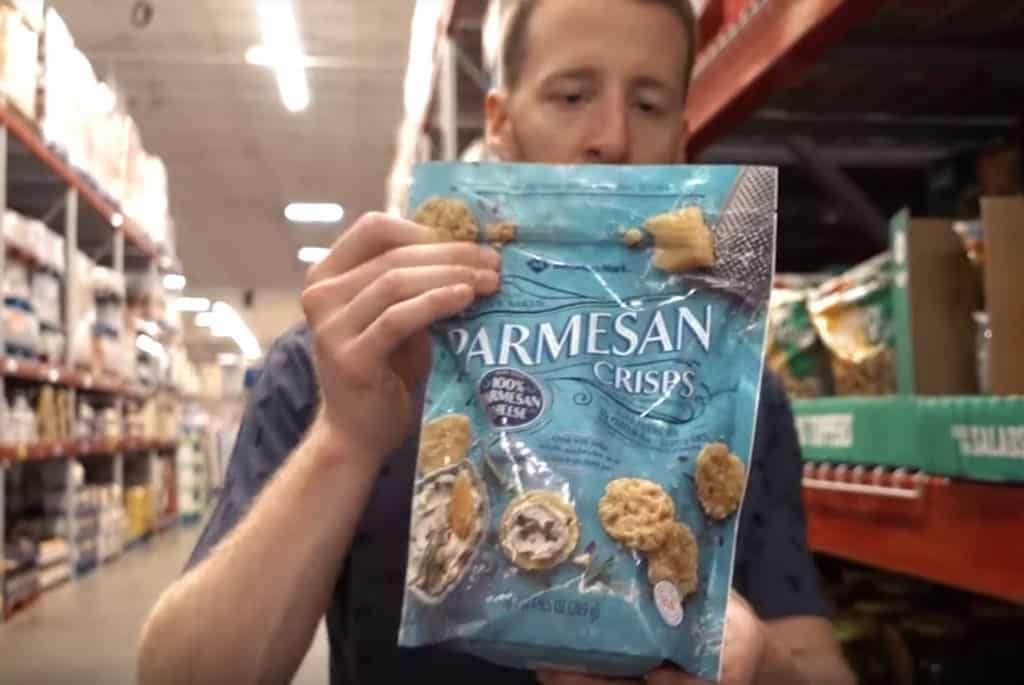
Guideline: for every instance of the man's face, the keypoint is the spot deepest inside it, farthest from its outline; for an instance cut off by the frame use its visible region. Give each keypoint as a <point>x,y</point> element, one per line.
<point>601,82</point>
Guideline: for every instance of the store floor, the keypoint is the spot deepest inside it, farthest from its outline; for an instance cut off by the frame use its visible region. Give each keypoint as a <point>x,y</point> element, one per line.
<point>84,632</point>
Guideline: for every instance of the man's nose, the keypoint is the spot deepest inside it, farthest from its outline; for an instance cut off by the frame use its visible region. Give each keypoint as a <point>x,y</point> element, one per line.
<point>609,139</point>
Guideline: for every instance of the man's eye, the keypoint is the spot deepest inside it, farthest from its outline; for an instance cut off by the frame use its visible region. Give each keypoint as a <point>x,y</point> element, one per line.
<point>571,98</point>
<point>648,107</point>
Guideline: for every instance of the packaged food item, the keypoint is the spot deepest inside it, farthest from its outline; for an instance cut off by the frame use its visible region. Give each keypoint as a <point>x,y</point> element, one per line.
<point>587,431</point>
<point>853,315</point>
<point>795,352</point>
<point>972,233</point>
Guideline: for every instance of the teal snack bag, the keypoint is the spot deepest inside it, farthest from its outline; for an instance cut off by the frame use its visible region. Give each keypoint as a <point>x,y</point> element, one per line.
<point>587,430</point>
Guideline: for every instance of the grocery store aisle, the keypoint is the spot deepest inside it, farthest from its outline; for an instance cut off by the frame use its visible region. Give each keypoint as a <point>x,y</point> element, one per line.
<point>85,631</point>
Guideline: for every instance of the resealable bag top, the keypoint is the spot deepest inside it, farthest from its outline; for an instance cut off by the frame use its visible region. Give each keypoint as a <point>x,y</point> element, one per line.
<point>587,430</point>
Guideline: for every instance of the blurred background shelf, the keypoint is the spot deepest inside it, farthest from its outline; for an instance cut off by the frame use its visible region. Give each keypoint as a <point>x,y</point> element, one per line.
<point>71,449</point>
<point>33,371</point>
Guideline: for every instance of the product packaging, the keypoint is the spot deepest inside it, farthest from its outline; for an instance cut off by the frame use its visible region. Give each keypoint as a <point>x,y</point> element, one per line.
<point>587,431</point>
<point>795,352</point>
<point>853,315</point>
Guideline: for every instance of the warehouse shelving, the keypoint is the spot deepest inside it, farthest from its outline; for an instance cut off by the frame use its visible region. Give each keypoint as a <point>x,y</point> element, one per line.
<point>43,177</point>
<point>37,181</point>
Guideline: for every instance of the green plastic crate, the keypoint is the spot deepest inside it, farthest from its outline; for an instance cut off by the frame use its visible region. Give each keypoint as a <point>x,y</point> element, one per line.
<point>972,437</point>
<point>980,438</point>
<point>858,430</point>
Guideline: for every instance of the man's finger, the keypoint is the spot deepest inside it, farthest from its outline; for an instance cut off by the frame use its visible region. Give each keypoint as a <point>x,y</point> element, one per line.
<point>373,234</point>
<point>402,320</point>
<point>400,285</point>
<point>332,291</point>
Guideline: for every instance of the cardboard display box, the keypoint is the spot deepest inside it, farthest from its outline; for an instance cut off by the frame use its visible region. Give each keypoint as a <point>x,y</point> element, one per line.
<point>936,292</point>
<point>1003,219</point>
<point>979,438</point>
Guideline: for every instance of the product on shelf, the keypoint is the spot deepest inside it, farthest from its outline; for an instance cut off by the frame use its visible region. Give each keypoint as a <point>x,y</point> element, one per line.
<point>31,288</point>
<point>19,60</point>
<point>84,118</point>
<point>795,352</point>
<point>853,315</point>
<point>138,507</point>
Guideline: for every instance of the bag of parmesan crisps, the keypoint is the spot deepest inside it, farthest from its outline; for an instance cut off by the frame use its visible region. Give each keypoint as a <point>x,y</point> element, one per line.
<point>587,431</point>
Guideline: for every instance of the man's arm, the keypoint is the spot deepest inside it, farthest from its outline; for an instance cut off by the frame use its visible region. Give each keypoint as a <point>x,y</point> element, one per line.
<point>247,613</point>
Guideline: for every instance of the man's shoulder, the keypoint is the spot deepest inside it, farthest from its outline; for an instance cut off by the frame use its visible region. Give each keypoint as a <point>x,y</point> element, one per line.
<point>295,341</point>
<point>290,358</point>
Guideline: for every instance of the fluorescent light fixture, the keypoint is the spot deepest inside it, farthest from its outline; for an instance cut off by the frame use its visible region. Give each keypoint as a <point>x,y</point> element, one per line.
<point>312,255</point>
<point>314,212</point>
<point>283,52</point>
<point>117,220</point>
<point>205,319</point>
<point>260,56</point>
<point>228,324</point>
<point>192,304</point>
<point>174,282</point>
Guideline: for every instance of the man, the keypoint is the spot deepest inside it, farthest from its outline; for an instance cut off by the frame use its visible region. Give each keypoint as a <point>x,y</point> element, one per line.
<point>589,81</point>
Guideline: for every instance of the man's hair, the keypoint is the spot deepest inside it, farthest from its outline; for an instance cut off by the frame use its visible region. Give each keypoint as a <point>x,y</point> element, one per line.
<point>516,23</point>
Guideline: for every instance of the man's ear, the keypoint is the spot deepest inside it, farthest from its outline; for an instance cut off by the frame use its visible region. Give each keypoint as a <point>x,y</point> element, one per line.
<point>684,139</point>
<point>500,133</point>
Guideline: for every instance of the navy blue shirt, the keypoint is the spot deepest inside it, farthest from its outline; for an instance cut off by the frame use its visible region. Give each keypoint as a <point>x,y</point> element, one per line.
<point>774,569</point>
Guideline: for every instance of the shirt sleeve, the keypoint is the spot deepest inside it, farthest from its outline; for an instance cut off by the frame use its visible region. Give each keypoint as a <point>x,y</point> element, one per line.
<point>281,407</point>
<point>774,569</point>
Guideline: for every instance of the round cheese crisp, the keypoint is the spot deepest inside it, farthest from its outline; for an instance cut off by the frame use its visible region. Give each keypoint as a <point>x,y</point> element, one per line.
<point>444,442</point>
<point>539,530</point>
<point>720,480</point>
<point>636,512</point>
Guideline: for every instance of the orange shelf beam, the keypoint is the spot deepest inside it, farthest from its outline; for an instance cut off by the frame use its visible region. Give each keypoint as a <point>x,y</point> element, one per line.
<point>957,533</point>
<point>769,47</point>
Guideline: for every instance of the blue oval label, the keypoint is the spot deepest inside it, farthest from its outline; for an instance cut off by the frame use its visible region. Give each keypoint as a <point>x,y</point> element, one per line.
<point>513,399</point>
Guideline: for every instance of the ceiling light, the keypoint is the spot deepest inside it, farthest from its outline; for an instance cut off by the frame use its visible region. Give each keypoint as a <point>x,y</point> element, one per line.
<point>314,212</point>
<point>260,56</point>
<point>284,52</point>
<point>205,319</point>
<point>312,255</point>
<point>117,220</point>
<point>192,304</point>
<point>174,282</point>
<point>230,325</point>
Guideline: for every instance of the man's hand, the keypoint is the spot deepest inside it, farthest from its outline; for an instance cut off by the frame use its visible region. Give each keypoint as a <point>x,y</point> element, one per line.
<point>741,655</point>
<point>369,305</point>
